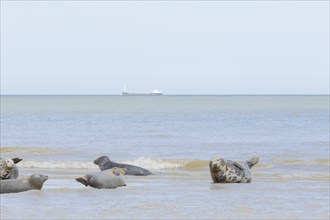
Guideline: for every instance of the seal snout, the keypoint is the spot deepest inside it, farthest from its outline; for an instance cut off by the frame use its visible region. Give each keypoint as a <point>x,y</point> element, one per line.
<point>39,177</point>
<point>214,166</point>
<point>100,160</point>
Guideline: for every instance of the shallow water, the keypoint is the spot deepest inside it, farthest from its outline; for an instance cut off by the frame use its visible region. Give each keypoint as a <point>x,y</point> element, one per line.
<point>174,137</point>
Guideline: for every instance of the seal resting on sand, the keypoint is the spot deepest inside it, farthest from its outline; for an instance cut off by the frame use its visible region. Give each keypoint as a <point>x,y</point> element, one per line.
<point>35,181</point>
<point>105,163</point>
<point>227,171</point>
<point>8,169</point>
<point>107,179</point>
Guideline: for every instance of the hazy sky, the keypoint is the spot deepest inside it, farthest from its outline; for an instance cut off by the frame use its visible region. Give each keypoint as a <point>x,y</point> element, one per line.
<point>185,47</point>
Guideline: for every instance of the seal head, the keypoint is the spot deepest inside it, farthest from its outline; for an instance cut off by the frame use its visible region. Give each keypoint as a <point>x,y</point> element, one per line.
<point>218,164</point>
<point>103,162</point>
<point>37,180</point>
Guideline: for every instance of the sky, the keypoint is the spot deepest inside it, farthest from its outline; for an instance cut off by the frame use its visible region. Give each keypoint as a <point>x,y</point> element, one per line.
<point>183,47</point>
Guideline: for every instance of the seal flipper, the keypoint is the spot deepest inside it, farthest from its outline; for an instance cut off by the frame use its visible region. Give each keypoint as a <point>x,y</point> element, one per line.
<point>116,172</point>
<point>253,161</point>
<point>17,160</point>
<point>239,166</point>
<point>82,180</point>
<point>123,170</point>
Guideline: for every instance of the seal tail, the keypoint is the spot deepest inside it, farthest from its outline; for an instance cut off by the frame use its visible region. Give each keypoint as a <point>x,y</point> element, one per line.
<point>253,161</point>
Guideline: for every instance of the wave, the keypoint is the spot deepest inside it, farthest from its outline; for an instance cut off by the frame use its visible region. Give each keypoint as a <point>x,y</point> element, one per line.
<point>320,161</point>
<point>159,164</point>
<point>58,165</point>
<point>164,164</point>
<point>301,176</point>
<point>30,150</point>
<point>148,163</point>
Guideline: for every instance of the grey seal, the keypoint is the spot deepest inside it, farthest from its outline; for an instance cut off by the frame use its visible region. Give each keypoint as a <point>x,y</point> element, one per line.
<point>35,181</point>
<point>105,163</point>
<point>8,168</point>
<point>107,179</point>
<point>227,171</point>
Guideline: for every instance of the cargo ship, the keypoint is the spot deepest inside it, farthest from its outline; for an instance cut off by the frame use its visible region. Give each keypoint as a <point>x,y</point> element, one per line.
<point>151,93</point>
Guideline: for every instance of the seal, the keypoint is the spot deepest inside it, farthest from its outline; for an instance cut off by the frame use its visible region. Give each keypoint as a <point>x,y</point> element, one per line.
<point>105,163</point>
<point>35,181</point>
<point>8,169</point>
<point>107,179</point>
<point>227,171</point>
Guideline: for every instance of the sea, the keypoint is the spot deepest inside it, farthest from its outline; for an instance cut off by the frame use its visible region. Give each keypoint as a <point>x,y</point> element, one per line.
<point>174,137</point>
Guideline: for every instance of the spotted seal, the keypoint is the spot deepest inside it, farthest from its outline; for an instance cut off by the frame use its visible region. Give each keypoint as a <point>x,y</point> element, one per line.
<point>8,169</point>
<point>107,179</point>
<point>105,163</point>
<point>227,171</point>
<point>35,181</point>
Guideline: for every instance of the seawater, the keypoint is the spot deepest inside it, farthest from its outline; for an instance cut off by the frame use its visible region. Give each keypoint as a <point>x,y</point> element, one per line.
<point>174,137</point>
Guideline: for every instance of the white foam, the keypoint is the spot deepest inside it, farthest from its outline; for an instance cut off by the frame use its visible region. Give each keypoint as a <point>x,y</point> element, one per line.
<point>59,165</point>
<point>157,164</point>
<point>302,176</point>
<point>148,163</point>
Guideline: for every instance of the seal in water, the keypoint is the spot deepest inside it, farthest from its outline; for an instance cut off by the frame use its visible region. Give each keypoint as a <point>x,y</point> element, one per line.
<point>107,179</point>
<point>35,181</point>
<point>105,163</point>
<point>8,169</point>
<point>227,171</point>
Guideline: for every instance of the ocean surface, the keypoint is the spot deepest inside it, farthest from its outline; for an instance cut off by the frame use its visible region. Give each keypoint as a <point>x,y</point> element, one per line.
<point>174,137</point>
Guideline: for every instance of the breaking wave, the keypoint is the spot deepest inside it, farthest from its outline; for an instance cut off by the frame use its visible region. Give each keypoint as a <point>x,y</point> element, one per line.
<point>164,164</point>
<point>148,163</point>
<point>301,176</point>
<point>157,164</point>
<point>58,165</point>
<point>322,161</point>
<point>30,150</point>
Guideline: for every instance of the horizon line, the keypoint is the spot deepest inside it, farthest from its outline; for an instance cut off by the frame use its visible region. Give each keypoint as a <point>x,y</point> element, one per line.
<point>167,95</point>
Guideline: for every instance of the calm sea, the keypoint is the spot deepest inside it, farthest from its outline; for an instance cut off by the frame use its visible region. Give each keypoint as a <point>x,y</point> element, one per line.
<point>174,137</point>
